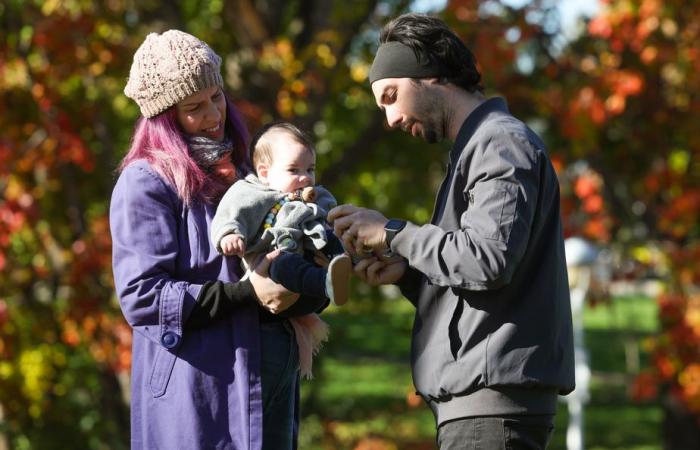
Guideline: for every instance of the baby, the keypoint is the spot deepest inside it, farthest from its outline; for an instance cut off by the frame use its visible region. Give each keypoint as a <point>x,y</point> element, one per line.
<point>280,208</point>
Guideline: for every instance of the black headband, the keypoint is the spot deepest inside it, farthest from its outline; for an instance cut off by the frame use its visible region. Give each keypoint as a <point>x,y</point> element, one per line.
<point>396,60</point>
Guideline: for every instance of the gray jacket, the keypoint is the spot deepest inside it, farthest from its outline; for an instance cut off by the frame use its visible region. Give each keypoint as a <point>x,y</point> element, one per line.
<point>243,208</point>
<point>492,332</point>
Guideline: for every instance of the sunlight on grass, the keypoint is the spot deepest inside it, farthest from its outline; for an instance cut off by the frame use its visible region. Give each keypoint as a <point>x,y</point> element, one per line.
<point>632,313</point>
<point>366,377</point>
<point>363,389</point>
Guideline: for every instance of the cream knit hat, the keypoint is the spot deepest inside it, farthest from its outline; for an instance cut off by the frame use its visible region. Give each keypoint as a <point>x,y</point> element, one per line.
<point>170,67</point>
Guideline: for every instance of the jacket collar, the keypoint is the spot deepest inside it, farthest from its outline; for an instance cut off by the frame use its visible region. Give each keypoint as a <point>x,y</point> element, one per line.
<point>472,122</point>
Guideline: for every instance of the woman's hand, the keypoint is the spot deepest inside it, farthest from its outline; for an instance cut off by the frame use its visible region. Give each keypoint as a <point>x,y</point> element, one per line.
<point>274,297</point>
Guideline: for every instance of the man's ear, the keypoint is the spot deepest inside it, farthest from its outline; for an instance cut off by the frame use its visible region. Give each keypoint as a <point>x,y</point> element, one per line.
<point>435,80</point>
<point>261,169</point>
<point>426,83</point>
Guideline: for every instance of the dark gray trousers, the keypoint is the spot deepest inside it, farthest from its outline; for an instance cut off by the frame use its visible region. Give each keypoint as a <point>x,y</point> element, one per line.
<point>496,433</point>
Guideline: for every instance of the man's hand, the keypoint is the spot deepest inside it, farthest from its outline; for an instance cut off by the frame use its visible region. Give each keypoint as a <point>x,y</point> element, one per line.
<point>360,229</point>
<point>274,297</point>
<point>232,244</point>
<point>377,271</point>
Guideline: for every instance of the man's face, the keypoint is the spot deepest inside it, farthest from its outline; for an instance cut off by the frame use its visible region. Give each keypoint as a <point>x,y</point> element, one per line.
<point>412,105</point>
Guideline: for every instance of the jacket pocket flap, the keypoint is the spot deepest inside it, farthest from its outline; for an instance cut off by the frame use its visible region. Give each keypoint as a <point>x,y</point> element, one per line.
<point>162,368</point>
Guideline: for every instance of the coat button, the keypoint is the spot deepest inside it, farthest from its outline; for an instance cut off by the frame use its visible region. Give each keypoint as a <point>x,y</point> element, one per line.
<point>169,339</point>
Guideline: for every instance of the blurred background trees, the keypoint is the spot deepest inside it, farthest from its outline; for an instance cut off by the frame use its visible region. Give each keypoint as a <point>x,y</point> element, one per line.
<point>616,101</point>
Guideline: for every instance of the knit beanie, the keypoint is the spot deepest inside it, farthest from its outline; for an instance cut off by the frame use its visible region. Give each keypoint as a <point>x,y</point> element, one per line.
<point>170,67</point>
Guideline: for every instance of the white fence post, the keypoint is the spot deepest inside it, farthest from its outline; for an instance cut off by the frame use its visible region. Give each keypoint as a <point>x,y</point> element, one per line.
<point>580,256</point>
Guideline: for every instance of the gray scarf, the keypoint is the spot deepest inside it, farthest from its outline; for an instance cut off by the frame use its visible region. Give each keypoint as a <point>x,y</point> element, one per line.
<point>206,152</point>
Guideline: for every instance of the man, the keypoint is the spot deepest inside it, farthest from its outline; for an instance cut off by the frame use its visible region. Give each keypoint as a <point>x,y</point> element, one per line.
<point>492,339</point>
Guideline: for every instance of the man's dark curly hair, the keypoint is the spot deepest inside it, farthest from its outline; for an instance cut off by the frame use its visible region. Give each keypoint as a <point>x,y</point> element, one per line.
<point>431,40</point>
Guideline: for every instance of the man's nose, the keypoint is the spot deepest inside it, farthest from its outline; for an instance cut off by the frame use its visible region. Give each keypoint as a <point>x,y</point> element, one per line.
<point>393,117</point>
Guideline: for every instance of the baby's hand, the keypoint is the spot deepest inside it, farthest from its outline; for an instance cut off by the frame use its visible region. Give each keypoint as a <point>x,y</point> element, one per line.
<point>232,244</point>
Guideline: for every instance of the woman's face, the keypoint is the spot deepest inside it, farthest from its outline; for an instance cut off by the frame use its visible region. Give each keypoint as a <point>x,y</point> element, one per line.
<point>203,113</point>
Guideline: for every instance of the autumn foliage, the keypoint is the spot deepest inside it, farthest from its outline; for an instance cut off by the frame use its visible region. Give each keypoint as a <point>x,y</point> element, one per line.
<point>618,106</point>
<point>649,75</point>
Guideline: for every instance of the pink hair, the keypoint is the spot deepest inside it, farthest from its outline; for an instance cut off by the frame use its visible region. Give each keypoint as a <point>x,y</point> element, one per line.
<point>160,141</point>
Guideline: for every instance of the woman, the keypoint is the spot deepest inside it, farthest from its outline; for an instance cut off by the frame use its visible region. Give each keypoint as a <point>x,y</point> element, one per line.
<point>199,333</point>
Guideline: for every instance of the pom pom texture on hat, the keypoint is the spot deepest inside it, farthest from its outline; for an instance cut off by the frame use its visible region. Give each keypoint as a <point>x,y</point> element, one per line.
<point>168,68</point>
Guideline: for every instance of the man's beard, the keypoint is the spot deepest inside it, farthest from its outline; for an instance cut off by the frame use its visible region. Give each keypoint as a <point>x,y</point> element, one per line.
<point>430,109</point>
<point>430,136</point>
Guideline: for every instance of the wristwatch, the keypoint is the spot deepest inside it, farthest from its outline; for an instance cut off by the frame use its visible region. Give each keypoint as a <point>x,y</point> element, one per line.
<point>392,228</point>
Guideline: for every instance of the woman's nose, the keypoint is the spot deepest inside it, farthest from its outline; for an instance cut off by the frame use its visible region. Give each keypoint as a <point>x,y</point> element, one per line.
<point>213,112</point>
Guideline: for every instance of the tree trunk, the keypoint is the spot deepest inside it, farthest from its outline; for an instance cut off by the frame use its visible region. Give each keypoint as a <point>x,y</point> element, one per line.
<point>680,428</point>
<point>3,439</point>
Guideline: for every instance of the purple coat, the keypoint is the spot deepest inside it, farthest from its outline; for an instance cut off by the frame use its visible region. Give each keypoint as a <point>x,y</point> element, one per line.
<point>190,389</point>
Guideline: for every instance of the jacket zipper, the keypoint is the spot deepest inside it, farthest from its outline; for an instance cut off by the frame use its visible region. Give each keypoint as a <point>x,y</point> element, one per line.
<point>441,193</point>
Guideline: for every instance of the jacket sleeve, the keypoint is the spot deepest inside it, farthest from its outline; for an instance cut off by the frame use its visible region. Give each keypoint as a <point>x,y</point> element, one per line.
<point>409,284</point>
<point>229,218</point>
<point>324,199</point>
<point>494,225</point>
<point>144,218</point>
<point>218,299</point>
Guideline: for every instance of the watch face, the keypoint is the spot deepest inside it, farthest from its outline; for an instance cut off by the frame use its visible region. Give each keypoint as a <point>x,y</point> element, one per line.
<point>395,225</point>
<point>392,227</point>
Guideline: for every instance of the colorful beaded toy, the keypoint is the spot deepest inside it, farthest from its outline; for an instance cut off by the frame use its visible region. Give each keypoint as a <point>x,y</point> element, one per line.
<point>307,194</point>
<point>270,217</point>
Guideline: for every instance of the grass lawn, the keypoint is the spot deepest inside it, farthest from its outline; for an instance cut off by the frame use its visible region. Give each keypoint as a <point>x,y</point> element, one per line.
<point>362,396</point>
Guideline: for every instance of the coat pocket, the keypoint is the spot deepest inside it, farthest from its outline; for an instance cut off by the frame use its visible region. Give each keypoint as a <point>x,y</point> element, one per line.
<point>162,368</point>
<point>492,209</point>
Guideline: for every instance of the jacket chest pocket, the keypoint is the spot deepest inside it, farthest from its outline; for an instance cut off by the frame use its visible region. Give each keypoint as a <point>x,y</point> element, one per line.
<point>491,209</point>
